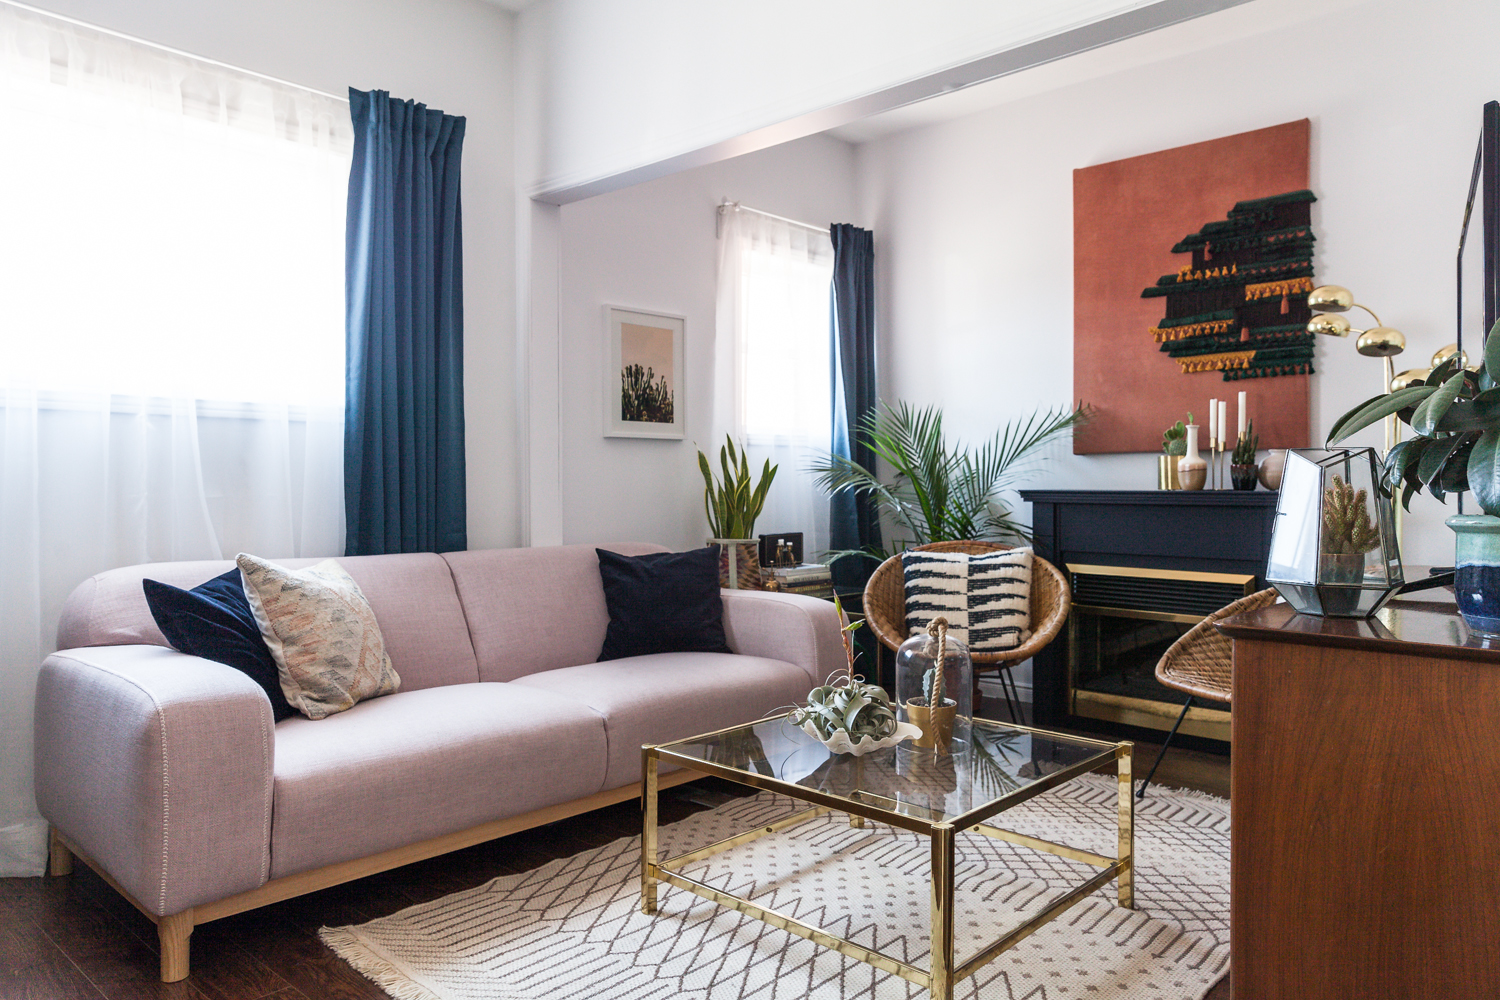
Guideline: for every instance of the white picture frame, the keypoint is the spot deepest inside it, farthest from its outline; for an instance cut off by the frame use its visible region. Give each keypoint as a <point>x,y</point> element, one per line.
<point>638,344</point>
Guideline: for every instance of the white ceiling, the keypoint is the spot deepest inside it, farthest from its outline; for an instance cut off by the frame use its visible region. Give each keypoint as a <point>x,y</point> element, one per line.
<point>515,5</point>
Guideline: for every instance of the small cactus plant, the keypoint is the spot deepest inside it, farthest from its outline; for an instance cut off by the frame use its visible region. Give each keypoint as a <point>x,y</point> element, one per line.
<point>1347,528</point>
<point>1174,438</point>
<point>1245,447</point>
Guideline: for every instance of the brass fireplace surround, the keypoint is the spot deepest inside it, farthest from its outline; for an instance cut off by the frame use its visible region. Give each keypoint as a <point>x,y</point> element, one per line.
<point>1152,595</point>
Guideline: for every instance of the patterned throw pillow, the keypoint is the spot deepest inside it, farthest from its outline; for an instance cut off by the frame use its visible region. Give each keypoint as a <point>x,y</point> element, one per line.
<point>326,642</point>
<point>986,597</point>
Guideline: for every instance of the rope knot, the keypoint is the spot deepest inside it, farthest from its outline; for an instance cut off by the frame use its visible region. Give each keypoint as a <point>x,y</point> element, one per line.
<point>938,629</point>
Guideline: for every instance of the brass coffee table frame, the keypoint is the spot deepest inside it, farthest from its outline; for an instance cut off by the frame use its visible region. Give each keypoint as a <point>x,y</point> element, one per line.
<point>940,979</point>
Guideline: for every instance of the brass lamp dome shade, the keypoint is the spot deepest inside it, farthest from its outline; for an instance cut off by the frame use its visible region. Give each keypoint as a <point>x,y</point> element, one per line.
<point>1380,342</point>
<point>1406,378</point>
<point>1447,351</point>
<point>1330,298</point>
<point>1329,325</point>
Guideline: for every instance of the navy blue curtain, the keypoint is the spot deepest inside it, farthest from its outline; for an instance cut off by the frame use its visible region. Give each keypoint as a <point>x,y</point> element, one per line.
<point>404,396</point>
<point>855,522</point>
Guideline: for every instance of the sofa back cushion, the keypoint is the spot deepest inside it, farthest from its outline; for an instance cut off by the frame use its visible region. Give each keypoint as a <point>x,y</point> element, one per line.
<point>534,609</point>
<point>412,595</point>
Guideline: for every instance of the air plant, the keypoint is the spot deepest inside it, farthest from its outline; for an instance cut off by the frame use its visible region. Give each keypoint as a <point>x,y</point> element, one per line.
<point>856,708</point>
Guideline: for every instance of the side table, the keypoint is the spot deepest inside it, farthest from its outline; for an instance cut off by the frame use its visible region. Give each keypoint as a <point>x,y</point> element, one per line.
<point>1365,854</point>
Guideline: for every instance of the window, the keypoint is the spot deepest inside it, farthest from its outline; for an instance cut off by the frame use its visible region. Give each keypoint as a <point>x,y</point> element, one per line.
<point>173,228</point>
<point>171,332</point>
<point>774,322</point>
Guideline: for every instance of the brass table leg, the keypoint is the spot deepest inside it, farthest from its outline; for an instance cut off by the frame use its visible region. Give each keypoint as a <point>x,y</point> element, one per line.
<point>648,831</point>
<point>857,821</point>
<point>941,987</point>
<point>1126,850</point>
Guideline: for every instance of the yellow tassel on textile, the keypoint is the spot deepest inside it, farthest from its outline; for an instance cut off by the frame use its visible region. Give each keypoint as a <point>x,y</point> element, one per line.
<point>1163,334</point>
<point>1216,362</point>
<point>1278,289</point>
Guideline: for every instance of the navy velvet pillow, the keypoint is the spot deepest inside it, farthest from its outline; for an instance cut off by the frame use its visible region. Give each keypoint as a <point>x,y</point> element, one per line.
<point>665,602</point>
<point>214,621</point>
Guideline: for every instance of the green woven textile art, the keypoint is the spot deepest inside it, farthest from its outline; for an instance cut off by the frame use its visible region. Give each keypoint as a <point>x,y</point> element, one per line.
<point>1240,307</point>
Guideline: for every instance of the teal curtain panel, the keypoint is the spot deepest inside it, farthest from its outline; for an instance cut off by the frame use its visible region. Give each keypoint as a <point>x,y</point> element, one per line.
<point>404,479</point>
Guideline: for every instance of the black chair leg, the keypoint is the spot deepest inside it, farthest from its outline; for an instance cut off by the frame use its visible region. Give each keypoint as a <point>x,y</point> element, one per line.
<point>1141,794</point>
<point>1012,696</point>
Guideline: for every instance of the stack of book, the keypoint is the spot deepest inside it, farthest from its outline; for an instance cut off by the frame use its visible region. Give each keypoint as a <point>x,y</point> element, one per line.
<point>812,579</point>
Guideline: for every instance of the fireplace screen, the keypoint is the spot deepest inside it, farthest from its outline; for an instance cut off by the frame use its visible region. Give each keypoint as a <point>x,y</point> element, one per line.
<point>1124,618</point>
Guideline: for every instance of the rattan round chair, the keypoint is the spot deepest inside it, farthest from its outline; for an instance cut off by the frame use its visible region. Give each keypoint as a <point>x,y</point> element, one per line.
<point>885,611</point>
<point>1201,663</point>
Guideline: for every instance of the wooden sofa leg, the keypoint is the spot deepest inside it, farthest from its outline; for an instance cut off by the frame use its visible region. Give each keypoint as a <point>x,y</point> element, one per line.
<point>59,858</point>
<point>175,932</point>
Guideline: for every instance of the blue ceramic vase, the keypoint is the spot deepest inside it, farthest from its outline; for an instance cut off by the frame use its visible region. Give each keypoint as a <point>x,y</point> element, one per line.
<point>1476,575</point>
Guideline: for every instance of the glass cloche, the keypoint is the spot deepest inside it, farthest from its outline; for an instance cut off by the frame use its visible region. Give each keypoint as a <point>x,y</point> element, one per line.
<point>935,661</point>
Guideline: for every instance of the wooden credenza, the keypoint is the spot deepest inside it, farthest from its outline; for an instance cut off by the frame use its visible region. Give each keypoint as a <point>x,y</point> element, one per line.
<point>1365,850</point>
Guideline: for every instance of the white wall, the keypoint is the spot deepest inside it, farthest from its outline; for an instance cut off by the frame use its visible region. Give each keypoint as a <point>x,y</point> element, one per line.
<point>455,56</point>
<point>608,87</point>
<point>652,247</point>
<point>973,218</point>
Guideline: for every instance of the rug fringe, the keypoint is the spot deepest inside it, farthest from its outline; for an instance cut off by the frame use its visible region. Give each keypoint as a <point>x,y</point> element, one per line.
<point>351,948</point>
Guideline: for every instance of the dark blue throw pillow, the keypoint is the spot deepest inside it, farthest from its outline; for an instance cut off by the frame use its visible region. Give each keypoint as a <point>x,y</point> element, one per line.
<point>665,602</point>
<point>214,621</point>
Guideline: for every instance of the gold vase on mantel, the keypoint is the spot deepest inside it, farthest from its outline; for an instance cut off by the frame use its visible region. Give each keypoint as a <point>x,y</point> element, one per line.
<point>1166,473</point>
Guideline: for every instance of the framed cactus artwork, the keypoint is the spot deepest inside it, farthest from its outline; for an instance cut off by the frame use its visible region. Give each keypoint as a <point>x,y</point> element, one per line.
<point>643,383</point>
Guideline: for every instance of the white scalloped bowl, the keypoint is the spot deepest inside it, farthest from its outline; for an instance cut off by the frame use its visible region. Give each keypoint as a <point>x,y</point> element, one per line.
<point>839,742</point>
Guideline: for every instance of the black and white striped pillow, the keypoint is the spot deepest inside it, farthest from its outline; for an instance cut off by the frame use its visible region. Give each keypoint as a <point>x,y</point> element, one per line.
<point>986,598</point>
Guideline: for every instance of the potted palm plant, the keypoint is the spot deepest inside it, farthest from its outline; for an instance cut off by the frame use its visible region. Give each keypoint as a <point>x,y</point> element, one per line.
<point>1454,415</point>
<point>732,505</point>
<point>940,491</point>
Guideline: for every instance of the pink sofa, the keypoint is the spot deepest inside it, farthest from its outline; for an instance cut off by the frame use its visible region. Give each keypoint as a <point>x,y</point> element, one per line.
<point>165,773</point>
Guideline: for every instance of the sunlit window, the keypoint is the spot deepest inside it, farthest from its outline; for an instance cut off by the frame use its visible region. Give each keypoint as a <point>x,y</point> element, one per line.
<point>171,228</point>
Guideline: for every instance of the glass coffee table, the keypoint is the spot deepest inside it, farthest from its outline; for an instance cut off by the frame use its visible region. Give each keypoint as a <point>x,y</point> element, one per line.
<point>936,796</point>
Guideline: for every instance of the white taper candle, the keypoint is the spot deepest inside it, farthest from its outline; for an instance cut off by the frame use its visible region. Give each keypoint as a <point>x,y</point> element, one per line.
<point>1223,421</point>
<point>1241,432</point>
<point>1213,422</point>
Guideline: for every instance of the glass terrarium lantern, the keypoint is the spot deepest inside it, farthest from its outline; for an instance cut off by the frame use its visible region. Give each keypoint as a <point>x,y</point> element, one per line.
<point>929,664</point>
<point>1333,547</point>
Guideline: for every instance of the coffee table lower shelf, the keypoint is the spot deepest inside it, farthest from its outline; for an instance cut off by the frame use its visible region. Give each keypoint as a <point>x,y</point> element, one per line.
<point>939,980</point>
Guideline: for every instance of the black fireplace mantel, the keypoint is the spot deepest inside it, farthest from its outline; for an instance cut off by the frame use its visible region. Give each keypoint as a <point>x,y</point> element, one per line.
<point>1213,531</point>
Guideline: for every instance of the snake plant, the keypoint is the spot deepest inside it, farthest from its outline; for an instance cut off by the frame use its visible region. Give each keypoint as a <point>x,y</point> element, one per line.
<point>733,504</point>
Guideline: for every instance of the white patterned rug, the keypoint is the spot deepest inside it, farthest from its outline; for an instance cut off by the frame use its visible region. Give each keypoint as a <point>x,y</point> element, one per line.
<point>573,927</point>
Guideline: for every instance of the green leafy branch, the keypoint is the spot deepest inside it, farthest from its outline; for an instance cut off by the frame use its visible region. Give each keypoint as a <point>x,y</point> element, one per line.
<point>942,492</point>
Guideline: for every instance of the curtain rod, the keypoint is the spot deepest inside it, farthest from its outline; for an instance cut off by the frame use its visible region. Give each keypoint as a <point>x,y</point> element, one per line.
<point>167,48</point>
<point>727,205</point>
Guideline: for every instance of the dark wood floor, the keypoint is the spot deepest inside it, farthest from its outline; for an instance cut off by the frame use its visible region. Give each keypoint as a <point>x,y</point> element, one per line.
<point>74,937</point>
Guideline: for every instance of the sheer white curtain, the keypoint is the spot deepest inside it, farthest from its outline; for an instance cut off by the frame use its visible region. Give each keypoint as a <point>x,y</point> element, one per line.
<point>171,333</point>
<point>773,348</point>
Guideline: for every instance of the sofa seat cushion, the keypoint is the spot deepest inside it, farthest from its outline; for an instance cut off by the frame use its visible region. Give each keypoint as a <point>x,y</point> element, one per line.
<point>671,696</point>
<point>419,764</point>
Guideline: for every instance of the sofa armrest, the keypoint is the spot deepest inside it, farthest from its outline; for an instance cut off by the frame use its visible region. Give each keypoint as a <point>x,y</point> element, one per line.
<point>790,627</point>
<point>158,765</point>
